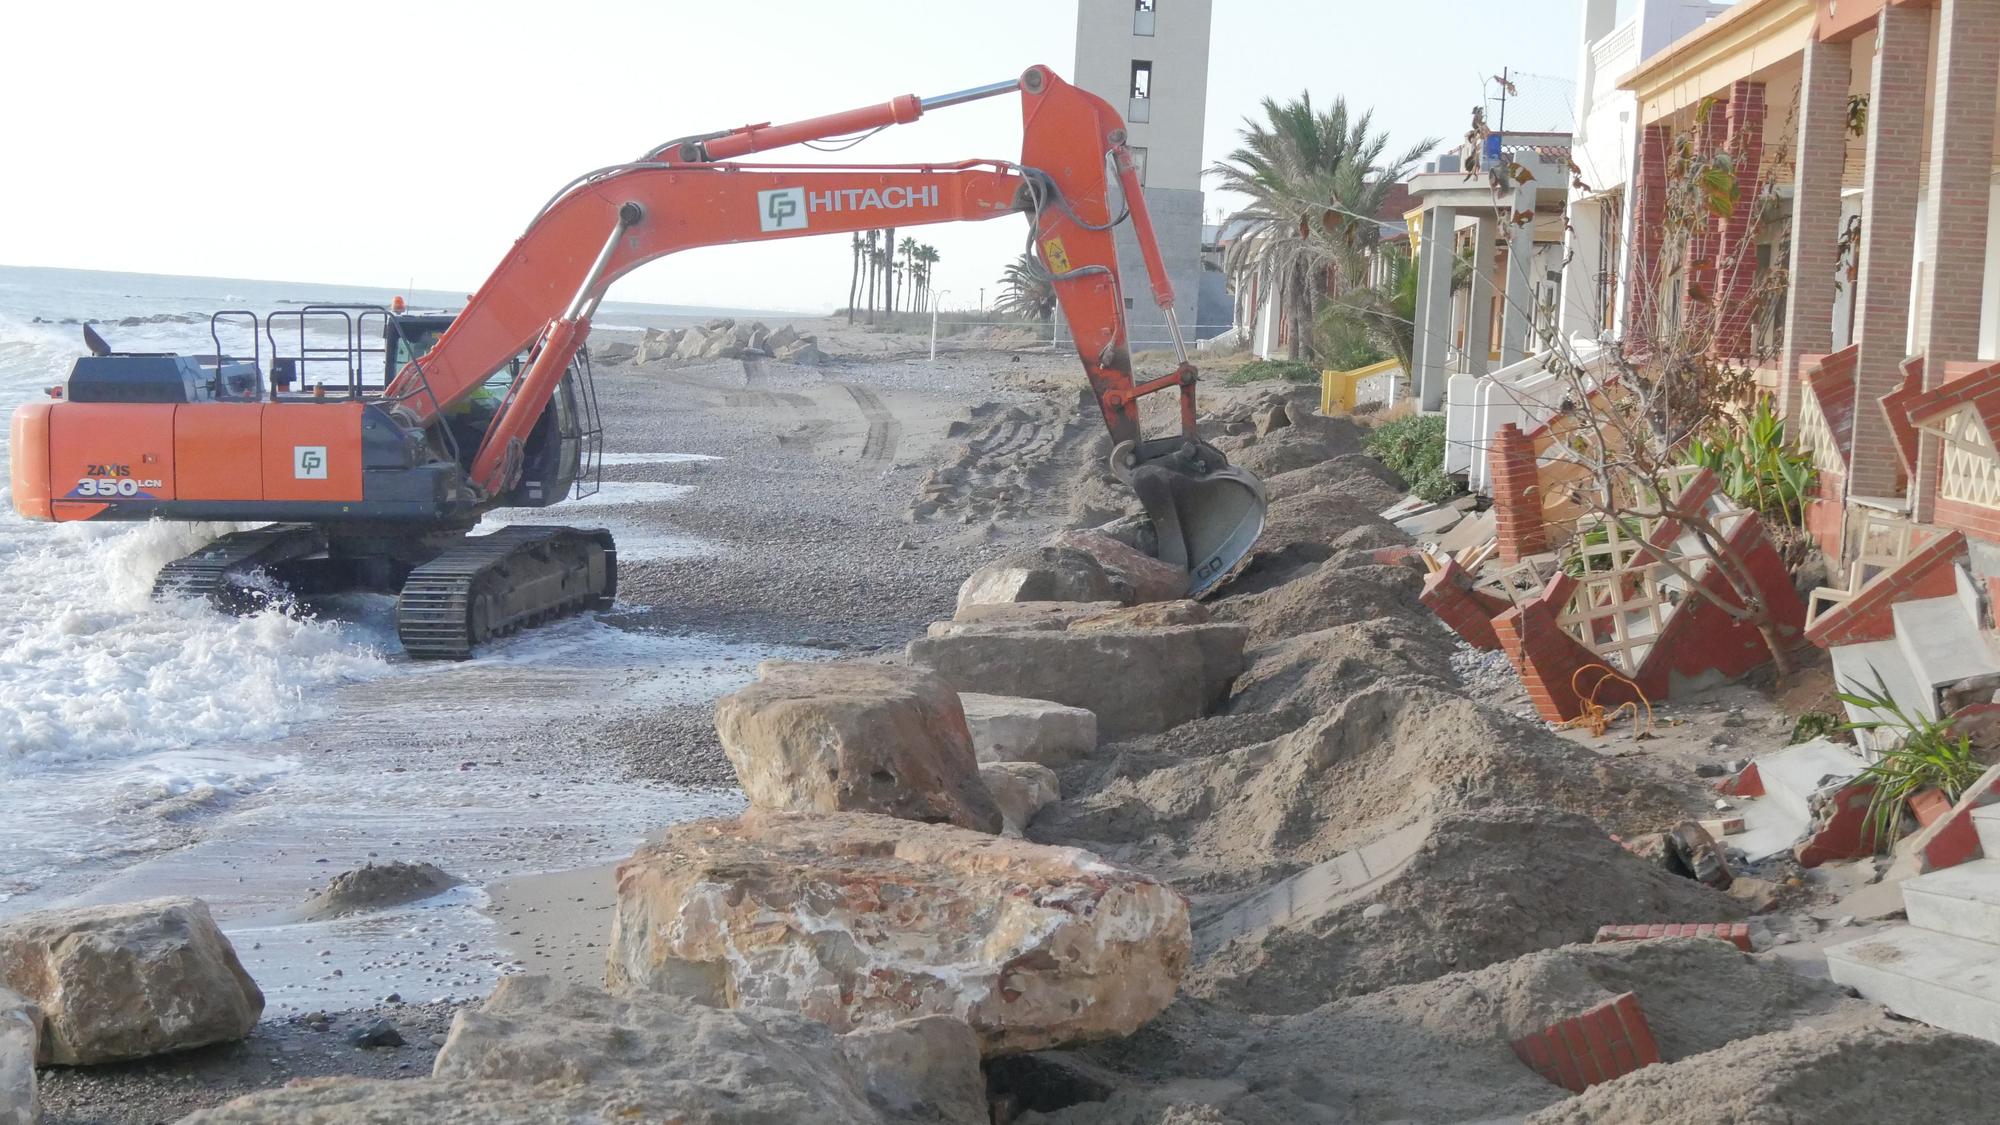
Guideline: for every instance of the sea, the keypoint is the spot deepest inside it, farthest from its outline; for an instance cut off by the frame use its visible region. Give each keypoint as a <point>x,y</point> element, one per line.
<point>146,745</point>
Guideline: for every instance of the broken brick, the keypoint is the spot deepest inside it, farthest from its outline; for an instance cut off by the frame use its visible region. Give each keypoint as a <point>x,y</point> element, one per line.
<point>1607,1041</point>
<point>1735,933</point>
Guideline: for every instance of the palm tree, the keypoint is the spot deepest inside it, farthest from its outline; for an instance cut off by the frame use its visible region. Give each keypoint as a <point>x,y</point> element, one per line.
<point>1026,291</point>
<point>874,270</point>
<point>1315,179</point>
<point>889,270</point>
<point>908,250</point>
<point>858,246</point>
<point>928,255</point>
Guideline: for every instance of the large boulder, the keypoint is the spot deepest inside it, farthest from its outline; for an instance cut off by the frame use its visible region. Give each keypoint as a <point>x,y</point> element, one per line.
<point>1021,789</point>
<point>803,351</point>
<point>20,1031</point>
<point>692,344</point>
<point>534,1029</point>
<point>128,980</point>
<point>1136,679</point>
<point>852,737</point>
<point>657,345</point>
<point>1149,579</point>
<point>1007,728</point>
<point>1044,574</point>
<point>860,921</point>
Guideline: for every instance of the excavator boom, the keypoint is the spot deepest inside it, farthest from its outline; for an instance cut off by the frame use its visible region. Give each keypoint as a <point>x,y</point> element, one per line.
<point>382,485</point>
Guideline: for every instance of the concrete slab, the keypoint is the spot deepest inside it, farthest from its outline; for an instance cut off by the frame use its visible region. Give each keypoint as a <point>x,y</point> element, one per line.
<point>1769,828</point>
<point>1942,644</point>
<point>1318,890</point>
<point>1857,667</point>
<point>1963,901</point>
<point>1431,524</point>
<point>1794,774</point>
<point>1942,979</point>
<point>1986,822</point>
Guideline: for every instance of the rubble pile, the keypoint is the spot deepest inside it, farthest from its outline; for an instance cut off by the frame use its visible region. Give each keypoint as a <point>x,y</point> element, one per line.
<point>721,338</point>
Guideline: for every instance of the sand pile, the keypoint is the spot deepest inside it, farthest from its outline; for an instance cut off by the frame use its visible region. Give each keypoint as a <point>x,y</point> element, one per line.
<point>1355,475</point>
<point>1869,1070</point>
<point>1311,673</point>
<point>1328,595</point>
<point>1436,1051</point>
<point>1382,757</point>
<point>1463,890</point>
<point>377,886</point>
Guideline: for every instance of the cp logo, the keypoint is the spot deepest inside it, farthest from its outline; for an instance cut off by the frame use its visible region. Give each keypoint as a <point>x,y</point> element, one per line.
<point>782,209</point>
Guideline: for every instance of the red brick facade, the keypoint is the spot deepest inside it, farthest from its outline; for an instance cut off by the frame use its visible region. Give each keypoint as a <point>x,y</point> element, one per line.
<point>1517,496</point>
<point>1888,231</point>
<point>1649,216</point>
<point>1736,253</point>
<point>1822,128</point>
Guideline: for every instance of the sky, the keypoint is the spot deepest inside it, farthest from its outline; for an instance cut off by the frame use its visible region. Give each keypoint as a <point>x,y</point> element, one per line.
<point>409,143</point>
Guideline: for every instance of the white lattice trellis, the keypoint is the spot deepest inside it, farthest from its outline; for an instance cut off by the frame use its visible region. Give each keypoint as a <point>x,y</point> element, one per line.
<point>1971,469</point>
<point>1816,436</point>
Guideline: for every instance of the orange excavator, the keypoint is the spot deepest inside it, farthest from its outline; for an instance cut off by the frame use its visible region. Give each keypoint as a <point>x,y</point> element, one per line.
<point>379,460</point>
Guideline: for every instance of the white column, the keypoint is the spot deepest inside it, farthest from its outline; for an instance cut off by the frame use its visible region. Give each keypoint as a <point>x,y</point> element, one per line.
<point>1434,261</point>
<point>1517,324</point>
<point>1479,300</point>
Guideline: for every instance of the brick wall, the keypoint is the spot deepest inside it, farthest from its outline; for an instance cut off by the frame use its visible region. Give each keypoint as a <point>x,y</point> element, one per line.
<point>1822,132</point>
<point>1968,72</point>
<point>1649,214</point>
<point>1737,274</point>
<point>1896,108</point>
<point>1449,593</point>
<point>1517,496</point>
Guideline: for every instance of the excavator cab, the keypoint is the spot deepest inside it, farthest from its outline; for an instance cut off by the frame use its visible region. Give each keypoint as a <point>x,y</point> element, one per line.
<point>562,455</point>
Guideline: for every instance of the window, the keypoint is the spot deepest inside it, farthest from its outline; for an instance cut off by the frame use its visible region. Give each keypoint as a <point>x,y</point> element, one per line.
<point>1140,109</point>
<point>1142,17</point>
<point>1128,304</point>
<point>1139,160</point>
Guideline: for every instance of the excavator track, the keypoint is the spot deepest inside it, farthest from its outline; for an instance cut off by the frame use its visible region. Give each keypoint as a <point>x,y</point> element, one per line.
<point>490,585</point>
<point>226,570</point>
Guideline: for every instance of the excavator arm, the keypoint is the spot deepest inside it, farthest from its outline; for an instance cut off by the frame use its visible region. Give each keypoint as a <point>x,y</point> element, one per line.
<point>691,192</point>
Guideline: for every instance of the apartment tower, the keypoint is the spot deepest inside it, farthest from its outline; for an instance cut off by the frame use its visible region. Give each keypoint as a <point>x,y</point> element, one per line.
<point>1150,58</point>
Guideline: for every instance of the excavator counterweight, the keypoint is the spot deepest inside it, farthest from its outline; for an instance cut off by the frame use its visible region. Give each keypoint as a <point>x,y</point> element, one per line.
<point>374,477</point>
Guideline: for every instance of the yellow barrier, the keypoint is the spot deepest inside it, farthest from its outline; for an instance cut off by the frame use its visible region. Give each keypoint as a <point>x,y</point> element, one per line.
<point>1336,388</point>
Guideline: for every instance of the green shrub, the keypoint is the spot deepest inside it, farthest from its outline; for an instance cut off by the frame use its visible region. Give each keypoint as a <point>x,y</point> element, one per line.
<point>1413,445</point>
<point>1756,467</point>
<point>1927,756</point>
<point>1259,370</point>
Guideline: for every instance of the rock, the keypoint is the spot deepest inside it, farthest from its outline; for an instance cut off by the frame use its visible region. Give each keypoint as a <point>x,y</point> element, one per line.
<point>1656,848</point>
<point>781,338</point>
<point>1151,615</point>
<point>861,921</point>
<point>1699,854</point>
<point>20,1031</point>
<point>760,339</point>
<point>722,345</point>
<point>1271,419</point>
<point>804,351</point>
<point>693,342</point>
<point>374,886</point>
<point>616,351</point>
<point>128,980</point>
<point>1007,728</point>
<point>853,737</point>
<point>1150,579</point>
<point>380,1033</point>
<point>719,324</point>
<point>1054,616</point>
<point>1136,680</point>
<point>1044,574</point>
<point>786,1066</point>
<point>1021,789</point>
<point>1760,895</point>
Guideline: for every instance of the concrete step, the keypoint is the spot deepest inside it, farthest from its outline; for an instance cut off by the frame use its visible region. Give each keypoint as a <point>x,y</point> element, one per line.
<point>1856,668</point>
<point>1941,979</point>
<point>1963,901</point>
<point>1792,775</point>
<point>1942,645</point>
<point>1986,822</point>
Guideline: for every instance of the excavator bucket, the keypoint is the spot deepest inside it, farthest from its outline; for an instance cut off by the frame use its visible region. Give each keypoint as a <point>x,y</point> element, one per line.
<point>1206,514</point>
